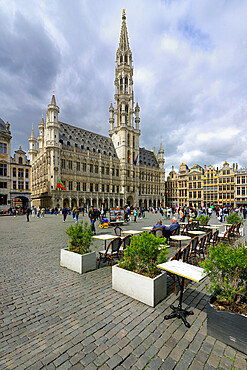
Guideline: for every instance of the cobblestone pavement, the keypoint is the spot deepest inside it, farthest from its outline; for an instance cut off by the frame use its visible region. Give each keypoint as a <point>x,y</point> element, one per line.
<point>54,318</point>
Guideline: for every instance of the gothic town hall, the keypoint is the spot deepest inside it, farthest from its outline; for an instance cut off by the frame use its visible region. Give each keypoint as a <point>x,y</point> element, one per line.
<point>94,169</point>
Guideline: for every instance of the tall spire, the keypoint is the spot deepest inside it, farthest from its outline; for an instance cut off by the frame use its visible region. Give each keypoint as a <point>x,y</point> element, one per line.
<point>124,41</point>
<point>53,100</point>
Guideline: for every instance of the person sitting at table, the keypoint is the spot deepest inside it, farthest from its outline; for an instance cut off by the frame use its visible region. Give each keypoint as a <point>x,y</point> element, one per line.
<point>168,230</point>
<point>159,226</point>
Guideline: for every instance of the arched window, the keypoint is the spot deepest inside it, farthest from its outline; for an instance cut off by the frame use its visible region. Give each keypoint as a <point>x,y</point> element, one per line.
<point>121,59</point>
<point>126,59</point>
<point>20,160</point>
<point>128,140</point>
<point>121,84</point>
<point>134,142</point>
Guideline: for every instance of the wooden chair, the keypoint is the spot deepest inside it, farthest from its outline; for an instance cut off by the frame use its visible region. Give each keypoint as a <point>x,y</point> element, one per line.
<point>174,232</point>
<point>237,230</point>
<point>125,242</point>
<point>193,250</point>
<point>118,231</point>
<point>112,251</point>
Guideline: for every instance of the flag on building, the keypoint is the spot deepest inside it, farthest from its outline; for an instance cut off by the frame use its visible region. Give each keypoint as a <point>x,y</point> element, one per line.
<point>135,161</point>
<point>60,185</point>
<point>129,158</point>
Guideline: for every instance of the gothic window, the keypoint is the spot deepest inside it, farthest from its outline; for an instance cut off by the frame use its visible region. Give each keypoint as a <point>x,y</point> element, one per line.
<point>121,59</point>
<point>84,167</point>
<point>78,186</point>
<point>133,141</point>
<point>70,164</point>
<point>14,172</point>
<point>126,84</point>
<point>63,163</point>
<point>20,160</point>
<point>26,174</point>
<point>128,140</point>
<point>96,168</point>
<point>125,59</point>
<point>78,166</point>
<point>70,185</point>
<point>121,84</point>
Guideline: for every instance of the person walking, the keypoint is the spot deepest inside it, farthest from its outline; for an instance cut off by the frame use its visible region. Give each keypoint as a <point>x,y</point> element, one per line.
<point>92,216</point>
<point>76,215</point>
<point>42,212</point>
<point>135,214</point>
<point>64,213</point>
<point>28,211</point>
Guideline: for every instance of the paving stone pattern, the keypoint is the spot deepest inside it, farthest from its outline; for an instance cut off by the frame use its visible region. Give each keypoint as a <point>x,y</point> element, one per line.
<point>54,318</point>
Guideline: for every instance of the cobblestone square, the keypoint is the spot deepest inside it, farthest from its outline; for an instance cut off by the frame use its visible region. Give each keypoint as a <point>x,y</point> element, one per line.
<point>53,318</point>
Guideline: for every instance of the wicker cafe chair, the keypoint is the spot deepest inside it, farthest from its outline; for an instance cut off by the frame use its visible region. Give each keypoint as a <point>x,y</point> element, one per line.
<point>177,257</point>
<point>214,240</point>
<point>118,231</point>
<point>200,247</point>
<point>193,254</point>
<point>125,242</point>
<point>208,241</point>
<point>226,236</point>
<point>158,232</point>
<point>112,251</point>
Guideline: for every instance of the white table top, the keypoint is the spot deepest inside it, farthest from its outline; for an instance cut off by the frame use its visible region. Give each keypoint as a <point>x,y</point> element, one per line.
<point>196,232</point>
<point>104,237</point>
<point>147,227</point>
<point>131,232</point>
<point>211,227</point>
<point>180,237</point>
<point>183,269</point>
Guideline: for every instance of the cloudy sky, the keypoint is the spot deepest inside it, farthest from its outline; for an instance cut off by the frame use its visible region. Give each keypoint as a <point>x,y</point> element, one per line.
<point>190,71</point>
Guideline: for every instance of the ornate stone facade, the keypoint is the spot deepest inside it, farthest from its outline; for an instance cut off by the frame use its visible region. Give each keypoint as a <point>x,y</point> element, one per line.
<point>5,157</point>
<point>104,171</point>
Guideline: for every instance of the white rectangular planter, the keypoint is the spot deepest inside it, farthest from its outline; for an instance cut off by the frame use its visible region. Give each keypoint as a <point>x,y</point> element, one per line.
<point>142,288</point>
<point>80,263</point>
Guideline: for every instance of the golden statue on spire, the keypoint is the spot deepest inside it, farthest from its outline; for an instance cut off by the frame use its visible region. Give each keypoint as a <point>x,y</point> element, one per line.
<point>123,16</point>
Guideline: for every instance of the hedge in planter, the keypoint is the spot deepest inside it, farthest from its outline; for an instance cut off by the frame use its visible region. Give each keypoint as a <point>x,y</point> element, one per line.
<point>78,256</point>
<point>144,253</point>
<point>226,269</point>
<point>137,275</point>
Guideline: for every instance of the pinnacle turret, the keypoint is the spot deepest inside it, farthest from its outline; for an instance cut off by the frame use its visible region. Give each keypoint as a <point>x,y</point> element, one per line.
<point>124,41</point>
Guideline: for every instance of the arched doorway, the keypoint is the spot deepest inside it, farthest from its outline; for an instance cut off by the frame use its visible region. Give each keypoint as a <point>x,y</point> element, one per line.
<point>20,202</point>
<point>111,203</point>
<point>121,202</point>
<point>73,203</point>
<point>130,200</point>
<point>145,203</point>
<point>66,203</point>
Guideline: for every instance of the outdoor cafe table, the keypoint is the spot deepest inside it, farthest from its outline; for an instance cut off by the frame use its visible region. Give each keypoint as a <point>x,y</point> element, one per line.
<point>185,271</point>
<point>210,227</point>
<point>147,227</point>
<point>180,238</point>
<point>196,232</point>
<point>105,237</point>
<point>132,232</point>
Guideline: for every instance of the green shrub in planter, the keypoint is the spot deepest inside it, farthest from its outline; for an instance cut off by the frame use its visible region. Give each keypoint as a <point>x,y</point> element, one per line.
<point>234,219</point>
<point>226,269</point>
<point>144,253</point>
<point>203,219</point>
<point>81,238</point>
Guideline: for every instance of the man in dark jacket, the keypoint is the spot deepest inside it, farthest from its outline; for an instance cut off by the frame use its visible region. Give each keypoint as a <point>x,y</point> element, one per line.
<point>168,230</point>
<point>92,215</point>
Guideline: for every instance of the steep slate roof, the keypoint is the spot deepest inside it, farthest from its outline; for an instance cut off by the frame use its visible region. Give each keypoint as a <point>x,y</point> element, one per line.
<point>87,140</point>
<point>147,158</point>
<point>2,125</point>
